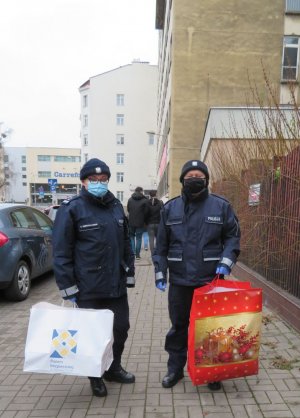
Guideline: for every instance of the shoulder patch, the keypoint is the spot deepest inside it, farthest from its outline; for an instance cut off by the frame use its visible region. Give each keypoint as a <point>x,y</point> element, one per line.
<point>67,201</point>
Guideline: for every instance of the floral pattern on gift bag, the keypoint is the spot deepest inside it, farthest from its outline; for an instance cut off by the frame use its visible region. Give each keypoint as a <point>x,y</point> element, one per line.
<point>224,332</point>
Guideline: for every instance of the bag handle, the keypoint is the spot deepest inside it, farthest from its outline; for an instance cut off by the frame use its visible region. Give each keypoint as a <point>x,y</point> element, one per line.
<point>216,281</point>
<point>74,304</point>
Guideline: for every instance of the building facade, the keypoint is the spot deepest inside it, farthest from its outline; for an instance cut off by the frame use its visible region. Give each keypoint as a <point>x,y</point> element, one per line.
<point>118,124</point>
<point>210,52</point>
<point>41,176</point>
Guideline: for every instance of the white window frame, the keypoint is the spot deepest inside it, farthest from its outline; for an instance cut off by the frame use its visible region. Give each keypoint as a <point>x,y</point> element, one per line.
<point>120,139</point>
<point>85,100</point>
<point>120,99</point>
<point>120,158</point>
<point>151,138</point>
<point>120,177</point>
<point>120,119</point>
<point>120,195</point>
<point>85,121</point>
<point>285,67</point>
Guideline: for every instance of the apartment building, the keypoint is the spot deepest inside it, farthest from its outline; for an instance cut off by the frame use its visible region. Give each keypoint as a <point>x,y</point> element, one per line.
<point>118,125</point>
<point>41,176</point>
<point>209,52</point>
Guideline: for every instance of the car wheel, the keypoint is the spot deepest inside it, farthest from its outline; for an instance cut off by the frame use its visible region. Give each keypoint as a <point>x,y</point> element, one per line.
<point>20,285</point>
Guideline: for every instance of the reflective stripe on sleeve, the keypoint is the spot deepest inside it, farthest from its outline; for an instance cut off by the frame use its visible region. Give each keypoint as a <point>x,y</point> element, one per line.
<point>69,292</point>
<point>227,261</point>
<point>159,276</point>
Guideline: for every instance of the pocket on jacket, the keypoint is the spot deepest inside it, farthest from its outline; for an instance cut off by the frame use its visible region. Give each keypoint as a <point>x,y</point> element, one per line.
<point>174,255</point>
<point>212,254</point>
<point>175,263</point>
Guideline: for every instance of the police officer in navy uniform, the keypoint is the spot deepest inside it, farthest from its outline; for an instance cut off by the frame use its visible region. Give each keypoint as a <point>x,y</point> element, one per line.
<point>198,237</point>
<point>93,259</point>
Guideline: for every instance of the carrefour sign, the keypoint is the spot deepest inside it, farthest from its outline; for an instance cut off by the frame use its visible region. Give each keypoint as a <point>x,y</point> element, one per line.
<point>58,174</point>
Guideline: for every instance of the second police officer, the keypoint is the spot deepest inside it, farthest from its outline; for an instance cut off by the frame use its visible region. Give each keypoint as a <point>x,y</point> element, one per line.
<point>198,237</point>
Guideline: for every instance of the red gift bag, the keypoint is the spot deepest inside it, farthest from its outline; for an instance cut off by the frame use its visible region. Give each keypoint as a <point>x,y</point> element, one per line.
<point>224,331</point>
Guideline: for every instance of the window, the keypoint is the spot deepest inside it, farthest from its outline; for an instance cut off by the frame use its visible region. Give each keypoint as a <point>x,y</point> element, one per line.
<point>151,138</point>
<point>120,99</point>
<point>120,119</point>
<point>44,174</point>
<point>85,140</point>
<point>24,176</point>
<point>120,158</point>
<point>23,159</point>
<point>85,100</point>
<point>43,220</point>
<point>22,218</point>
<point>6,158</point>
<point>290,58</point>
<point>66,158</point>
<point>24,184</point>
<point>120,177</point>
<point>120,139</point>
<point>85,120</point>
<point>44,158</point>
<point>120,196</point>
<point>292,6</point>
<point>85,157</point>
<point>23,168</point>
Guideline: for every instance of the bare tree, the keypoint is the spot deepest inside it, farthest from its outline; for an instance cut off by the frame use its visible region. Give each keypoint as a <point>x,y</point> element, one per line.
<point>259,171</point>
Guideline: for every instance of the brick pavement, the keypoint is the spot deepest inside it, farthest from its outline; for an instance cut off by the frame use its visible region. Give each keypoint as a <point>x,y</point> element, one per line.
<point>275,392</point>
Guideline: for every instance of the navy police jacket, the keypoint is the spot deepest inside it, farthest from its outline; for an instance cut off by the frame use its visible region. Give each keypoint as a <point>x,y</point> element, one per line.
<point>91,247</point>
<point>193,237</point>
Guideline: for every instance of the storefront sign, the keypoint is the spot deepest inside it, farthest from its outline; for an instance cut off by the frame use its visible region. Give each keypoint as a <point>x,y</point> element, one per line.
<point>58,174</point>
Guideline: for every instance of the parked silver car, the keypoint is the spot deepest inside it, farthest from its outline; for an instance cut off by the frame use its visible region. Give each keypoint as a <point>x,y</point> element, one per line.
<point>51,211</point>
<point>25,248</point>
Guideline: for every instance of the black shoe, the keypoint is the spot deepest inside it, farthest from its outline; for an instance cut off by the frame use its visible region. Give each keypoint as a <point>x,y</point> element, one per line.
<point>98,386</point>
<point>214,385</point>
<point>120,376</point>
<point>171,379</point>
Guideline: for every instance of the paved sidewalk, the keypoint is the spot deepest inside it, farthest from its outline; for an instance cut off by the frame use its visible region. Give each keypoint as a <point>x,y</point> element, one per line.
<point>275,392</point>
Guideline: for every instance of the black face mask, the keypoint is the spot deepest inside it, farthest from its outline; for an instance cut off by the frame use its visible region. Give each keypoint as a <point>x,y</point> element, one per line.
<point>194,185</point>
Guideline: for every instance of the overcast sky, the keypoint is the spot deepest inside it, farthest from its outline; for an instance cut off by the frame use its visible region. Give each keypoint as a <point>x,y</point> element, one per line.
<point>48,48</point>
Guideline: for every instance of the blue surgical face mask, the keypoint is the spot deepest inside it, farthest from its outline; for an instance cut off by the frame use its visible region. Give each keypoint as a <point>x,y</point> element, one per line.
<point>98,189</point>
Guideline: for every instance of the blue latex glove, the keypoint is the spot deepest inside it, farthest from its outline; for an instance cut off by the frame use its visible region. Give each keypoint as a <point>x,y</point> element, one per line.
<point>223,269</point>
<point>161,284</point>
<point>71,299</point>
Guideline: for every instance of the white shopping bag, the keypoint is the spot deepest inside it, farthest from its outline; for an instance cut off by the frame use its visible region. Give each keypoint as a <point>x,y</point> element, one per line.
<point>69,341</point>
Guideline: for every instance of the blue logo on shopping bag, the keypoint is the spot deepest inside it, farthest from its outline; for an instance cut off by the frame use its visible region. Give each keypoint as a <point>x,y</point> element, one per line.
<point>64,343</point>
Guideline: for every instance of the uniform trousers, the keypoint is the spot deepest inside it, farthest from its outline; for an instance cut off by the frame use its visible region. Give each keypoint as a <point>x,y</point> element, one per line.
<point>176,343</point>
<point>119,306</point>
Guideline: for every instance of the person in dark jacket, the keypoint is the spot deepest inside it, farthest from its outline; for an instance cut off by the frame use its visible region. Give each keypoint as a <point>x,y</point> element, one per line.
<point>93,259</point>
<point>198,237</point>
<point>137,212</point>
<point>153,217</point>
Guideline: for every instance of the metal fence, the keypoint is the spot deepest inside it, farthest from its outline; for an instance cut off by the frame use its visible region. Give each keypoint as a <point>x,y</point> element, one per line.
<point>270,224</point>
